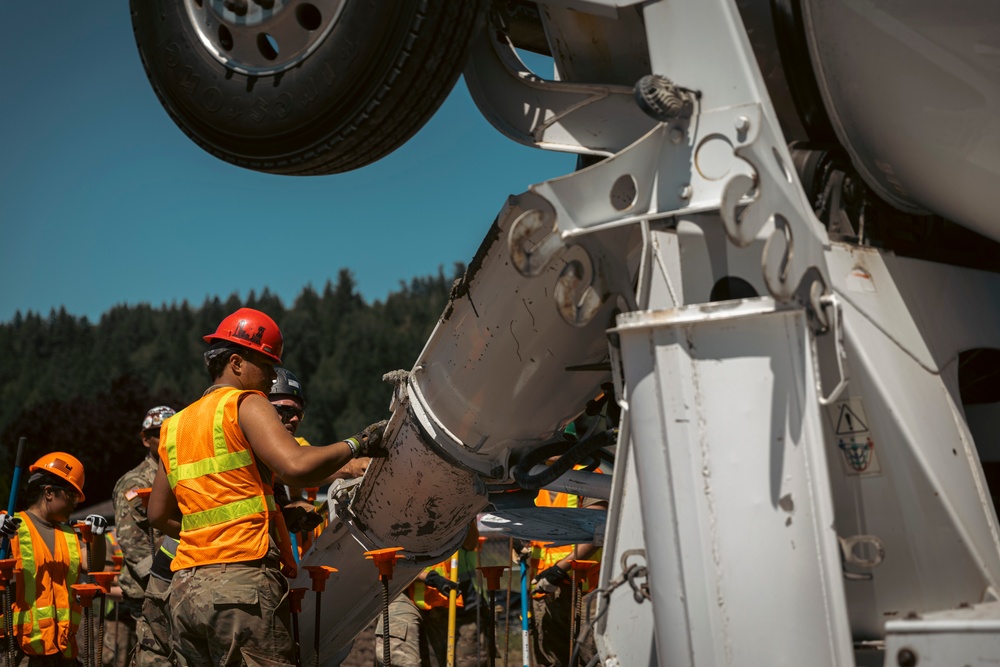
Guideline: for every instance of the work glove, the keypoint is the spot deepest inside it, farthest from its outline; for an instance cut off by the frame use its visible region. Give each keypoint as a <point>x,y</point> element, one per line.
<point>98,524</point>
<point>299,519</point>
<point>369,441</point>
<point>548,580</point>
<point>9,525</point>
<point>440,582</point>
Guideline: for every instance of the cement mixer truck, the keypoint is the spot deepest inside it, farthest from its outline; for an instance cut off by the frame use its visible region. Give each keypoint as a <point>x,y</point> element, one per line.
<point>778,256</point>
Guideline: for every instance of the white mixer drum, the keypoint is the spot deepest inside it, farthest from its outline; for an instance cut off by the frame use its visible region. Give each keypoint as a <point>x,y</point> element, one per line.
<point>912,88</point>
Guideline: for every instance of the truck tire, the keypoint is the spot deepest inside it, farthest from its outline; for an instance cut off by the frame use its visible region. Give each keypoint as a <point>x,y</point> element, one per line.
<point>303,87</point>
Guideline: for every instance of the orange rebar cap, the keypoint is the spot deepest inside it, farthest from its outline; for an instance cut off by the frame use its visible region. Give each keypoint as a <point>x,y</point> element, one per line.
<point>492,573</point>
<point>319,574</point>
<point>385,559</point>
<point>104,579</point>
<point>83,528</point>
<point>295,596</point>
<point>85,593</point>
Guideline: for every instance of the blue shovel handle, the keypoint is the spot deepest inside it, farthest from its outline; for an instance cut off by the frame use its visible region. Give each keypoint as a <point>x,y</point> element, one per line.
<point>14,483</point>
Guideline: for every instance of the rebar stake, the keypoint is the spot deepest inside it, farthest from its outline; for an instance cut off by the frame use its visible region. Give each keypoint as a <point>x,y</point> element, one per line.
<point>492,575</point>
<point>7,566</point>
<point>575,597</point>
<point>506,608</point>
<point>102,579</point>
<point>295,596</point>
<point>85,597</point>
<point>319,574</point>
<point>385,560</point>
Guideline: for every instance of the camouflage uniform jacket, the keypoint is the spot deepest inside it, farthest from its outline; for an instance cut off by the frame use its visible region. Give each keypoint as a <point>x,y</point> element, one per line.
<point>132,528</point>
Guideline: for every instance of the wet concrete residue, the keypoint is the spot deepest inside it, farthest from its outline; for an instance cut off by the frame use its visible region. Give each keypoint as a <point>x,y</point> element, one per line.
<point>517,343</point>
<point>400,528</point>
<point>786,503</point>
<point>533,327</point>
<point>461,287</point>
<point>430,511</point>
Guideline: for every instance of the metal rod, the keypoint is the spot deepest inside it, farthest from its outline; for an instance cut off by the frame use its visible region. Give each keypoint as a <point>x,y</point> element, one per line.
<point>386,649</point>
<point>295,637</point>
<point>506,608</point>
<point>575,605</point>
<point>100,634</point>
<point>88,637</point>
<point>8,625</point>
<point>491,639</point>
<point>525,657</point>
<point>319,606</point>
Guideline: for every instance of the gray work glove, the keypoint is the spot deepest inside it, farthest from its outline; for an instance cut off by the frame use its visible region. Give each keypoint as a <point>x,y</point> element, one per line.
<point>440,582</point>
<point>299,519</point>
<point>548,580</point>
<point>98,524</point>
<point>369,441</point>
<point>9,525</point>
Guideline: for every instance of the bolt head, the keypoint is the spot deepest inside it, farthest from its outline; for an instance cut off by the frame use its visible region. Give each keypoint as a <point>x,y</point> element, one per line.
<point>676,135</point>
<point>685,192</point>
<point>906,658</point>
<point>742,124</point>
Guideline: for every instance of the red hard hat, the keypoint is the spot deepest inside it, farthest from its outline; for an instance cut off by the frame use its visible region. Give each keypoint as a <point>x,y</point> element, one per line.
<point>251,329</point>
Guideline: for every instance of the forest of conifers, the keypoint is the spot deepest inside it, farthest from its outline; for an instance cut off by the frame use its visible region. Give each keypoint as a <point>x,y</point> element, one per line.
<point>72,385</point>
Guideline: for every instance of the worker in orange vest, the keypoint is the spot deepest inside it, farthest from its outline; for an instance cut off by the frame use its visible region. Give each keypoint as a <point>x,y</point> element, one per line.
<point>45,614</point>
<point>214,491</point>
<point>552,593</point>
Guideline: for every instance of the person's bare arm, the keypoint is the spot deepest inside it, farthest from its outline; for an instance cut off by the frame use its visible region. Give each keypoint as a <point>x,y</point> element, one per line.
<point>352,469</point>
<point>275,446</point>
<point>582,551</point>
<point>163,512</point>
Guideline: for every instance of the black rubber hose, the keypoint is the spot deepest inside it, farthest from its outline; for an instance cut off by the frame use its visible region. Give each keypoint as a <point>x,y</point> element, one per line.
<point>569,457</point>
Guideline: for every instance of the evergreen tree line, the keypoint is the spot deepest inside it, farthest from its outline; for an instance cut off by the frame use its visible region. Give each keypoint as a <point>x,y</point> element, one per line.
<point>67,384</point>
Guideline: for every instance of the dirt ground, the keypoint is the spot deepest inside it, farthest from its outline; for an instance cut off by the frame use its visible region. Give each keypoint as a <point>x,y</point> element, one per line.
<point>363,653</point>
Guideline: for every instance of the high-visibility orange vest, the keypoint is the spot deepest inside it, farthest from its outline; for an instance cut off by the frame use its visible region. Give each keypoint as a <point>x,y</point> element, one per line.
<point>428,597</point>
<point>46,616</point>
<point>552,555</point>
<point>226,506</point>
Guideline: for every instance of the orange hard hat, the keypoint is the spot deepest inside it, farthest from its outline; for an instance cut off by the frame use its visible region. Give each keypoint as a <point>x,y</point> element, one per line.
<point>251,329</point>
<point>63,465</point>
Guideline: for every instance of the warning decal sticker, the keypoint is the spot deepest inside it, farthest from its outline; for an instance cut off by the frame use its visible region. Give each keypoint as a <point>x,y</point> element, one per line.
<point>853,437</point>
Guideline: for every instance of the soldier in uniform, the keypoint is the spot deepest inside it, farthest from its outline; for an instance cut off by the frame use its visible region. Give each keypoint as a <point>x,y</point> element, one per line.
<point>136,538</point>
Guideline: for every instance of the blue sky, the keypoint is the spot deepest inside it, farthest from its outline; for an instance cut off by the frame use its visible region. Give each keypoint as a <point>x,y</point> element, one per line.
<point>103,201</point>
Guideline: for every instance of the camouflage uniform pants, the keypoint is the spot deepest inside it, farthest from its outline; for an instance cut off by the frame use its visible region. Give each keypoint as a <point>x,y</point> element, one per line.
<point>418,638</point>
<point>553,618</point>
<point>407,647</point>
<point>119,638</point>
<point>153,628</point>
<point>231,615</point>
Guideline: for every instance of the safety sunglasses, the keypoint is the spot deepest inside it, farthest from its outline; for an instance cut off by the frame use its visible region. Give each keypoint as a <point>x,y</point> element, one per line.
<point>71,494</point>
<point>286,412</point>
